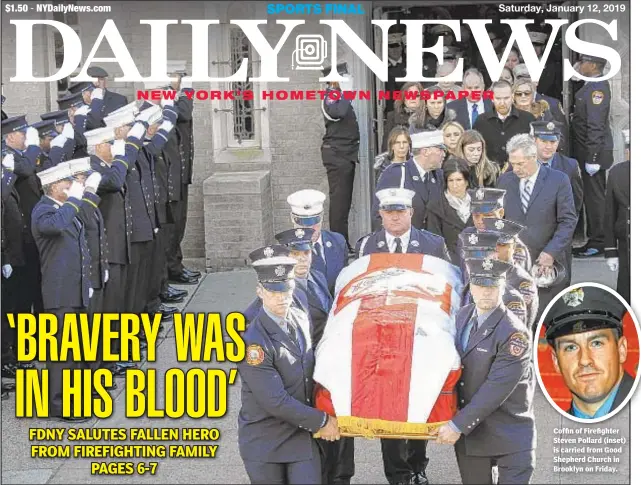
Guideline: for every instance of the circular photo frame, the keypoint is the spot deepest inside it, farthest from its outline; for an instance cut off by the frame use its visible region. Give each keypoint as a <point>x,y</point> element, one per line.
<point>582,370</point>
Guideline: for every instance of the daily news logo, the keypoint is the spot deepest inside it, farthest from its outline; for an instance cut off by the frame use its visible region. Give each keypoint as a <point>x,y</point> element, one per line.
<point>311,51</point>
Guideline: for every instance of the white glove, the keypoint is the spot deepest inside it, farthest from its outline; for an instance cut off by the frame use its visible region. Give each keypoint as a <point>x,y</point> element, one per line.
<point>146,114</point>
<point>166,102</point>
<point>118,148</point>
<point>7,270</point>
<point>156,230</point>
<point>106,275</point>
<point>347,85</point>
<point>8,162</point>
<point>90,292</point>
<point>592,168</point>
<point>32,137</point>
<point>185,83</point>
<point>82,111</point>
<point>93,181</point>
<point>166,125</point>
<point>59,141</point>
<point>76,190</point>
<point>97,93</point>
<point>613,264</point>
<point>137,131</point>
<point>67,131</point>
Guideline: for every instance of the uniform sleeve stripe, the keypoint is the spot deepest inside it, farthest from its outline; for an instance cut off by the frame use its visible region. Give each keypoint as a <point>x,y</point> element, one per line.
<point>137,147</point>
<point>122,161</point>
<point>91,202</point>
<point>74,205</point>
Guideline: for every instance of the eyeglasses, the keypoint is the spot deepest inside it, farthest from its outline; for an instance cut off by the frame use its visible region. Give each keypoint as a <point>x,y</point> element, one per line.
<point>522,93</point>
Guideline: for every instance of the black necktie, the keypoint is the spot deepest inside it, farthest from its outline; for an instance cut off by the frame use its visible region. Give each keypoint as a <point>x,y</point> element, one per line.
<point>399,245</point>
<point>292,333</point>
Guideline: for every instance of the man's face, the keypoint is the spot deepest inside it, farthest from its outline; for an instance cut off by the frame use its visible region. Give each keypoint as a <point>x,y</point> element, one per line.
<point>485,297</point>
<point>473,83</point>
<point>397,222</point>
<point>545,149</point>
<point>395,51</point>
<point>591,363</point>
<point>45,143</point>
<point>17,139</point>
<point>522,166</point>
<point>86,96</point>
<point>303,262</point>
<point>433,157</point>
<point>478,217</point>
<point>101,82</point>
<point>276,302</point>
<point>103,150</point>
<point>503,100</point>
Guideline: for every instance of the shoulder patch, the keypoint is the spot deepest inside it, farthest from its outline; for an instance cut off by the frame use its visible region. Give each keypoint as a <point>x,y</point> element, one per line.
<point>525,286</point>
<point>255,355</point>
<point>597,97</point>
<point>518,344</point>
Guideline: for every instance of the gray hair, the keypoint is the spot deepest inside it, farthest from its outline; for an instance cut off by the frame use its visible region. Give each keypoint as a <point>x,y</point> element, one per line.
<point>523,142</point>
<point>473,71</point>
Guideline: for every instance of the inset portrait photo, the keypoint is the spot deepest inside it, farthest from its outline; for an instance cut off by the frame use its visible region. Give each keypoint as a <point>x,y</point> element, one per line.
<point>588,352</point>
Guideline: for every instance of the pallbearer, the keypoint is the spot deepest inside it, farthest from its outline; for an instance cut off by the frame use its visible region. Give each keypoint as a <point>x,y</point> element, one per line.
<point>277,419</point>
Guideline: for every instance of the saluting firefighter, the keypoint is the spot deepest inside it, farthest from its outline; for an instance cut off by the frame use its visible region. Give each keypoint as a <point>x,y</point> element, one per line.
<point>329,249</point>
<point>495,421</point>
<point>277,419</point>
<point>617,212</point>
<point>339,150</point>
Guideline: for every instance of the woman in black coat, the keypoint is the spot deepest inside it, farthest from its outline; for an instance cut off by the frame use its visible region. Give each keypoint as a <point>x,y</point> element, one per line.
<point>450,213</point>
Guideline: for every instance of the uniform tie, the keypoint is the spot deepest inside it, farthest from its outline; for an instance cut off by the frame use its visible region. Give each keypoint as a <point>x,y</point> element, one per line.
<point>473,328</point>
<point>475,114</point>
<point>399,245</point>
<point>525,195</point>
<point>318,263</point>
<point>293,334</point>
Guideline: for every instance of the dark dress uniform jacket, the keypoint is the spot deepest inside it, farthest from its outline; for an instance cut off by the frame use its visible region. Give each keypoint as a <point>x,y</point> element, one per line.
<point>64,253</point>
<point>570,167</point>
<point>172,155</point>
<point>624,390</point>
<point>112,101</point>
<point>443,220</point>
<point>115,205</point>
<point>27,184</point>
<point>591,135</point>
<point>421,242</point>
<point>496,133</point>
<point>407,175</point>
<point>276,419</point>
<point>14,227</point>
<point>341,131</point>
<point>462,114</point>
<point>185,131</point>
<point>617,217</point>
<point>550,219</point>
<point>496,388</point>
<point>336,256</point>
<point>94,226</point>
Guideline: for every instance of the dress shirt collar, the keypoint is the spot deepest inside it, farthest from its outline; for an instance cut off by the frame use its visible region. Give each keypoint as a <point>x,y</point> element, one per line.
<point>405,240</point>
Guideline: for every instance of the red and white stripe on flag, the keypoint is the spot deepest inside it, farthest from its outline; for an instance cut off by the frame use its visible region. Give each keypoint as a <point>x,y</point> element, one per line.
<point>388,350</point>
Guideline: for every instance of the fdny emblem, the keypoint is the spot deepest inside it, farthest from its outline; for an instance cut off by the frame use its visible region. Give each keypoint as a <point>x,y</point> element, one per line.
<point>597,97</point>
<point>415,177</point>
<point>578,327</point>
<point>574,297</point>
<point>255,355</point>
<point>499,224</point>
<point>414,243</point>
<point>299,233</point>
<point>328,244</point>
<point>550,126</point>
<point>280,271</point>
<point>268,252</point>
<point>480,194</point>
<point>380,244</point>
<point>488,264</point>
<point>518,344</point>
<point>473,239</point>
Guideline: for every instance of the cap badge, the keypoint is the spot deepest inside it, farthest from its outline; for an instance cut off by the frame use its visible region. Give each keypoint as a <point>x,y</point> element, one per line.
<point>268,252</point>
<point>392,193</point>
<point>280,271</point>
<point>574,297</point>
<point>299,233</point>
<point>488,264</point>
<point>473,239</point>
<point>550,126</point>
<point>414,243</point>
<point>307,206</point>
<point>499,224</point>
<point>578,327</point>
<point>480,194</point>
